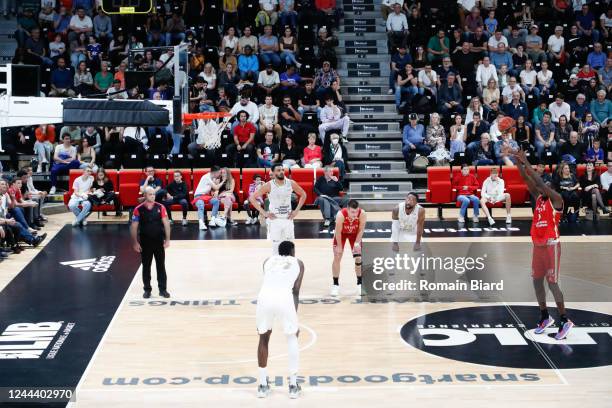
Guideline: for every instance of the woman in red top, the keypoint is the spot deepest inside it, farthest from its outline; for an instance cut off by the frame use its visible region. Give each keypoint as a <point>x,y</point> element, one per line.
<point>466,185</point>
<point>313,156</point>
<point>586,73</point>
<point>43,147</point>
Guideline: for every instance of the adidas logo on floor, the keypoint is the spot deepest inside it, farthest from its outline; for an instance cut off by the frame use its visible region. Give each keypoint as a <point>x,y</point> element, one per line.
<point>101,264</point>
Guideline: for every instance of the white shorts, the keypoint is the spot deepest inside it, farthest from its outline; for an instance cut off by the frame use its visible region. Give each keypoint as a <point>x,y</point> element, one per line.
<point>270,309</point>
<point>280,229</point>
<point>497,199</point>
<point>405,236</point>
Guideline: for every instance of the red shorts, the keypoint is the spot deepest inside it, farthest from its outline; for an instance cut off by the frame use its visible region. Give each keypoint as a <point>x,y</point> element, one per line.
<point>351,238</point>
<point>545,262</point>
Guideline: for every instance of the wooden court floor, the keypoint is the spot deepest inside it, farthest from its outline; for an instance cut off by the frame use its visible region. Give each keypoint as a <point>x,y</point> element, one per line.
<point>199,347</point>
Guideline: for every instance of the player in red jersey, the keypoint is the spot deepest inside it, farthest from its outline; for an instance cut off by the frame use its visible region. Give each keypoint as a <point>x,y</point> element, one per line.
<point>350,224</point>
<point>546,246</point>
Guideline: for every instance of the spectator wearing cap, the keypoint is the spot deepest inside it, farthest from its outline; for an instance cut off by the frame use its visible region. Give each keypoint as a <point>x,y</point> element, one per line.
<point>534,45</point>
<point>413,140</point>
<point>397,28</point>
<point>268,45</point>
<point>585,21</point>
<point>596,58</point>
<point>558,108</point>
<point>556,46</point>
<point>449,97</point>
<point>571,89</point>
<point>80,23</point>
<point>248,65</point>
<point>116,91</point>
<point>601,108</point>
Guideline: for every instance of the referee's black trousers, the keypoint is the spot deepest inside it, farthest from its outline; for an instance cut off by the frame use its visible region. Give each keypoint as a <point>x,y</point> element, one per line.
<point>150,249</point>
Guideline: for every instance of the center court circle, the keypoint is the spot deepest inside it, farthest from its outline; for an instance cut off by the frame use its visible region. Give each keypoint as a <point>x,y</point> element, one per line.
<point>497,336</point>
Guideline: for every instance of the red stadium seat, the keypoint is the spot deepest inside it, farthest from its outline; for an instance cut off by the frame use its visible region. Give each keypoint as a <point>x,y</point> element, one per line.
<point>515,185</point>
<point>305,178</point>
<point>247,178</point>
<point>162,174</point>
<point>438,185</point>
<point>186,173</point>
<point>580,170</point>
<point>237,191</point>
<point>129,186</point>
<point>73,175</point>
<point>197,176</point>
<point>113,176</point>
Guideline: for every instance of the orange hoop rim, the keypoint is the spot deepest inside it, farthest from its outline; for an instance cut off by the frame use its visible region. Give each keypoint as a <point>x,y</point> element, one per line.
<point>189,117</point>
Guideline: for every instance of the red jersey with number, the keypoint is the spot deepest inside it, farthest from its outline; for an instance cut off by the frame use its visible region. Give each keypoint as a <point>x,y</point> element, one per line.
<point>545,225</point>
<point>350,226</point>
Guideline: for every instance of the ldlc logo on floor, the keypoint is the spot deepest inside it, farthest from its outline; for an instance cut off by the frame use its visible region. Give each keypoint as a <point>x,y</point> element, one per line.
<point>504,337</point>
<point>32,340</point>
<point>101,264</point>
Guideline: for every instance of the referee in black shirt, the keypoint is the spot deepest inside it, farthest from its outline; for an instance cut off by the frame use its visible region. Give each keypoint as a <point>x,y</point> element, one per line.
<point>150,232</point>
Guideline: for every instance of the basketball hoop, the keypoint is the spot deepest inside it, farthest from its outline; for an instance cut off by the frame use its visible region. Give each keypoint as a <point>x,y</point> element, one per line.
<point>188,118</point>
<point>210,130</point>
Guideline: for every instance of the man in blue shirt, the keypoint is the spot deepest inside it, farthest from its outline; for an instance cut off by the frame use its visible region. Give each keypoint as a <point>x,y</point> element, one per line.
<point>61,80</point>
<point>290,82</point>
<point>596,58</point>
<point>601,108</point>
<point>413,139</point>
<point>516,108</point>
<point>586,24</point>
<point>501,57</point>
<point>248,65</point>
<point>399,61</point>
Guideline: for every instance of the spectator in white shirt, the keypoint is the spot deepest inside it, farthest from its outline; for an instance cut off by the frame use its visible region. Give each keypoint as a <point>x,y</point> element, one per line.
<point>428,78</point>
<point>556,45</point>
<point>386,7</point>
<point>546,83</point>
<point>397,28</point>
<point>485,71</point>
<point>79,23</point>
<point>268,118</point>
<point>332,119</point>
<point>606,183</point>
<point>510,89</point>
<point>115,92</point>
<point>559,108</point>
<point>495,40</point>
<point>249,107</point>
<point>81,188</point>
<point>492,193</point>
<point>529,80</point>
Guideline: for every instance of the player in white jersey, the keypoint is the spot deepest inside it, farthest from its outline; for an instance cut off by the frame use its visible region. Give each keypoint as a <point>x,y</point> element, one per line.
<point>280,216</point>
<point>408,219</point>
<point>278,300</point>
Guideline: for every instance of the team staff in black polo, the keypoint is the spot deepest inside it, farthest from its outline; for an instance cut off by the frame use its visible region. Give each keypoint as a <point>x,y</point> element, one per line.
<point>150,231</point>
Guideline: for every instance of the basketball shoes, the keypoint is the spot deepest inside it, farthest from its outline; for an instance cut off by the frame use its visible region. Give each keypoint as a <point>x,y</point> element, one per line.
<point>263,390</point>
<point>563,330</point>
<point>294,391</point>
<point>544,324</point>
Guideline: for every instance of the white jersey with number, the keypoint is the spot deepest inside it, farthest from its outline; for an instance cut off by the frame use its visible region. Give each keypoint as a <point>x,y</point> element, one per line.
<point>275,299</point>
<point>281,228</point>
<point>408,223</point>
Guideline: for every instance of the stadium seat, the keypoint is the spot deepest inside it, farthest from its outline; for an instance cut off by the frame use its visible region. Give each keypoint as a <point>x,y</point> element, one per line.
<point>162,174</point>
<point>515,185</point>
<point>305,178</point>
<point>73,175</point>
<point>129,186</point>
<point>186,173</point>
<point>438,187</point>
<point>247,178</point>
<point>237,191</point>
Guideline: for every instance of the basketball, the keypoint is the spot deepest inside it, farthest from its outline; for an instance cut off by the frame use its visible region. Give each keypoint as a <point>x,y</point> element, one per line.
<point>505,124</point>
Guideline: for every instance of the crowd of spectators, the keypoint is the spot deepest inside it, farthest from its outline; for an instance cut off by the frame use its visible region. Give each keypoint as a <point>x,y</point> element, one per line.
<point>547,66</point>
<point>270,63</point>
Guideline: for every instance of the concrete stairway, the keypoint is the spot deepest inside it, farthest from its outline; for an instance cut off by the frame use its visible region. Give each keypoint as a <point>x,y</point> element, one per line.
<point>378,175</point>
<point>8,45</point>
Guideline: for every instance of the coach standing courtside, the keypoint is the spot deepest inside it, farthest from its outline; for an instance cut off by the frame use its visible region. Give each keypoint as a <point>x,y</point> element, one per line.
<point>150,231</point>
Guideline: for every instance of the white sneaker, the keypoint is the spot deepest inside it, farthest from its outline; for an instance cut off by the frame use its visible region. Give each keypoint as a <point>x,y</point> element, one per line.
<point>212,222</point>
<point>84,223</point>
<point>508,219</point>
<point>475,219</point>
<point>249,221</point>
<point>263,390</point>
<point>326,223</point>
<point>491,221</point>
<point>39,168</point>
<point>461,219</point>
<point>358,290</point>
<point>184,223</point>
<point>202,225</point>
<point>390,92</point>
<point>335,290</point>
<point>52,191</point>
<point>75,223</point>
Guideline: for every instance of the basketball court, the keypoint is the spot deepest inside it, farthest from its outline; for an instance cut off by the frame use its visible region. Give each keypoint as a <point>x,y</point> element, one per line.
<point>199,346</point>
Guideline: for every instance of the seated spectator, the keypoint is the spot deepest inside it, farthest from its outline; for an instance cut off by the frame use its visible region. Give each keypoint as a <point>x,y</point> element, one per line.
<point>490,93</point>
<point>578,109</point>
<point>21,209</point>
<point>290,154</point>
<point>478,40</point>
<point>135,140</point>
<point>595,154</point>
<point>493,192</point>
<point>605,74</point>
<point>591,194</point>
<point>545,135</point>
<point>601,108</point>
<point>535,47</point>
<point>428,79</point>
<point>492,112</point>
<point>519,59</point>
<point>606,183</point>
<point>510,88</point>
<point>26,22</point>
<point>504,147</point>
<point>289,48</point>
<point>559,108</point>
<point>228,57</point>
<point>240,152</point>
<point>586,24</point>
<point>495,38</point>
<point>31,193</point>
<point>449,97</point>
<point>307,100</point>
<point>64,159</point>
<point>81,190</point>
<point>438,47</point>
<point>103,27</point>
<point>435,138</point>
<point>290,82</point>
<point>500,57</point>
<point>150,180</point>
<point>83,81</point>
<point>329,200</point>
<point>588,128</point>
<point>175,29</point>
<point>43,147</point>
<point>556,46</point>
<point>336,155</point>
<point>546,83</point>
<point>268,82</point>
<point>253,213</point>
<point>324,78</point>
<point>103,79</point>
<point>326,44</point>
<point>290,119</point>
<point>203,194</point>
<point>473,106</point>
<point>333,119</point>
<point>11,226</point>
<point>267,16</point>
<point>57,48</point>
<point>116,91</point>
<point>474,130</point>
<point>458,132</point>
<point>207,142</point>
<point>37,50</point>
<point>407,84</point>
<point>563,130</point>
<point>484,72</point>
<point>466,186</point>
<point>80,23</point>
<point>223,193</point>
<point>313,156</point>
<point>61,80</point>
<point>268,119</point>
<point>529,80</point>
<point>229,43</point>
<point>483,154</point>
<point>245,104</point>
<point>268,46</point>
<point>103,192</point>
<point>413,141</point>
<point>573,151</point>
<point>86,155</point>
<point>567,185</point>
<point>210,76</point>
<point>268,152</point>
<point>288,15</point>
<point>176,193</point>
<point>397,28</point>
<point>94,51</point>
<point>516,107</point>
<point>521,133</point>
<point>228,79</point>
<point>248,40</point>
